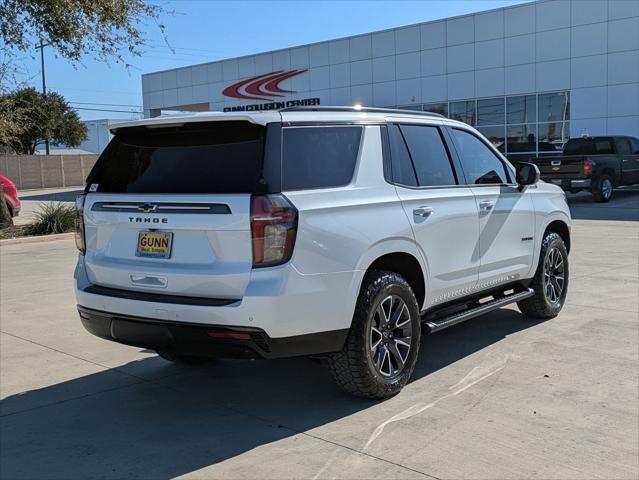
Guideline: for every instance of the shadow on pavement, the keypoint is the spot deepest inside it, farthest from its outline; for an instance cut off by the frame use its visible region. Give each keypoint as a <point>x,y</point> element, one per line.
<point>68,196</point>
<point>624,206</point>
<point>118,425</point>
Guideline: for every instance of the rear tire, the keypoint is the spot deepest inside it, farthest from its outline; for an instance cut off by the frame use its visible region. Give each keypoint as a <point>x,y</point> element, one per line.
<point>381,349</point>
<point>183,359</point>
<point>550,281</point>
<point>603,189</point>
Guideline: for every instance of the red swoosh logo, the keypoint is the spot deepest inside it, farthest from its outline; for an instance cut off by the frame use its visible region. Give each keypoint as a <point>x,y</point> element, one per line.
<point>261,86</point>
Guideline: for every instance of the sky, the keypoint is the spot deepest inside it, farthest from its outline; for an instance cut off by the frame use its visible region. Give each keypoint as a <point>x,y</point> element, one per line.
<point>204,31</point>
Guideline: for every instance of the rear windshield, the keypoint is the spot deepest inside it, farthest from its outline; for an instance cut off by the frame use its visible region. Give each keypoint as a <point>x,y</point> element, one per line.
<point>589,146</point>
<point>207,157</point>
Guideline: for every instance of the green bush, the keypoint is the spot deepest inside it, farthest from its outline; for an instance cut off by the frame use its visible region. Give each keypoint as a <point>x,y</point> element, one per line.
<point>53,217</point>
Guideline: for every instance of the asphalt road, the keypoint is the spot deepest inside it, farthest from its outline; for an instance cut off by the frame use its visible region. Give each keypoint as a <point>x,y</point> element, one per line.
<point>500,396</point>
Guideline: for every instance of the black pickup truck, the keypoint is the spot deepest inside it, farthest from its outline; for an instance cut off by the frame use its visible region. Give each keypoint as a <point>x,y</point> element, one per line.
<point>598,164</point>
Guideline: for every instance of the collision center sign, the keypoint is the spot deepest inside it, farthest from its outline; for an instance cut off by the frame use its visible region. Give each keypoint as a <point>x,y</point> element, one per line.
<point>266,87</point>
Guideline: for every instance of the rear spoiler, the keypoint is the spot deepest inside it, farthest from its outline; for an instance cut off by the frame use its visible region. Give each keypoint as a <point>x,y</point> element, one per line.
<point>259,118</point>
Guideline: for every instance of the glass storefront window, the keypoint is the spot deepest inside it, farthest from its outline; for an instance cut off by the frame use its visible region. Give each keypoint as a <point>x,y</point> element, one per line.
<point>552,136</point>
<point>554,107</point>
<point>463,111</point>
<point>520,157</point>
<point>495,135</point>
<point>520,126</point>
<point>411,107</point>
<point>521,109</point>
<point>521,138</point>
<point>441,108</point>
<point>490,111</point>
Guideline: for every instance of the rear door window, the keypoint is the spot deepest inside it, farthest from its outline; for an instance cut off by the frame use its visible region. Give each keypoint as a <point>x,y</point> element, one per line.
<point>401,164</point>
<point>481,165</point>
<point>623,146</point>
<point>206,157</point>
<point>589,146</point>
<point>430,158</point>
<point>319,157</point>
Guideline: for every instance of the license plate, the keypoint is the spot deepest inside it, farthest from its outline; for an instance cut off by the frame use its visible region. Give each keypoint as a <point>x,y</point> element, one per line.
<point>154,244</point>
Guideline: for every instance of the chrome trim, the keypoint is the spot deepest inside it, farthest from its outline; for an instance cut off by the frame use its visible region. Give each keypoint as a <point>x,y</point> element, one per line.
<point>162,208</point>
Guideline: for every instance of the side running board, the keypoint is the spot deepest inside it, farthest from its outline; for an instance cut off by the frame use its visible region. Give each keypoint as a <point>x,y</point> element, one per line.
<point>434,325</point>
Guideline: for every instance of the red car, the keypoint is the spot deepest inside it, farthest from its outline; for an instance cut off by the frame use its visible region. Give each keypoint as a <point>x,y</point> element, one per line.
<point>10,195</point>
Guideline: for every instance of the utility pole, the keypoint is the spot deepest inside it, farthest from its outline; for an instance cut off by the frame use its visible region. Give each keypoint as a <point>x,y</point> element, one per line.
<point>44,83</point>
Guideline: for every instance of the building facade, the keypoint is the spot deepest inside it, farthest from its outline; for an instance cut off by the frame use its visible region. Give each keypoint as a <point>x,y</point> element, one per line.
<point>527,76</point>
<point>98,135</point>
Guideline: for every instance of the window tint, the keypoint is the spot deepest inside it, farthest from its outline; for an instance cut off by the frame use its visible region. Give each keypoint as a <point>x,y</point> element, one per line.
<point>208,157</point>
<point>589,146</point>
<point>635,145</point>
<point>319,157</point>
<point>480,164</point>
<point>623,145</point>
<point>429,155</point>
<point>403,171</point>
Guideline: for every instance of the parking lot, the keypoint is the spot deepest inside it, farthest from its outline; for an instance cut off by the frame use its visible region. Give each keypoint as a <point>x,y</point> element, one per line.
<point>500,396</point>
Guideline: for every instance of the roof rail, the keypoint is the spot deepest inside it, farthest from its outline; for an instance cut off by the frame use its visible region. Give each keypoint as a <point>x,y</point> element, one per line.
<point>359,109</point>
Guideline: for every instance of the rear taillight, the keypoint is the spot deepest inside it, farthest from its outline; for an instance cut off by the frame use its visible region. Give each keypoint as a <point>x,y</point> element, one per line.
<point>273,229</point>
<point>79,223</point>
<point>587,167</point>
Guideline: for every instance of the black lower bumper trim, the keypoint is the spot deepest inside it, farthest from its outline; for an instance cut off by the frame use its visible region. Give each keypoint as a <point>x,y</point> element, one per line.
<point>195,339</point>
<point>158,297</point>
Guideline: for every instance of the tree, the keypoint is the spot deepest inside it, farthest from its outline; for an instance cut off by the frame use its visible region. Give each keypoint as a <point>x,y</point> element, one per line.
<point>42,117</point>
<point>102,28</point>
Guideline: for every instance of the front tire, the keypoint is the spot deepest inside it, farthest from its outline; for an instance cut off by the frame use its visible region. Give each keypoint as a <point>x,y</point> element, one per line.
<point>603,189</point>
<point>550,281</point>
<point>381,349</point>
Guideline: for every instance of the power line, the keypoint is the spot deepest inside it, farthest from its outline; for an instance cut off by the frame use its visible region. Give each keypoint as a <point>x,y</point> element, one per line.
<point>120,92</point>
<point>107,110</point>
<point>107,104</point>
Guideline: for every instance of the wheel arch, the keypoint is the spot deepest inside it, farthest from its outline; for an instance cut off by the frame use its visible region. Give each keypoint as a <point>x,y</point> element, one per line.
<point>403,258</point>
<point>562,229</point>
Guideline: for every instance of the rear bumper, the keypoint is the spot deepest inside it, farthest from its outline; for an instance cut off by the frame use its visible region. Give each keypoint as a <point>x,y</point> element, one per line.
<point>279,301</point>
<point>206,340</point>
<point>569,184</point>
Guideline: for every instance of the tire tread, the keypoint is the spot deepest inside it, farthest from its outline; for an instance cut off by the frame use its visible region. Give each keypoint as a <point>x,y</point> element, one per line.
<point>348,366</point>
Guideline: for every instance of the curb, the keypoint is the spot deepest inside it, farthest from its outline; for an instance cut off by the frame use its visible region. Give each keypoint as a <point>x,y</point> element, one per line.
<point>38,239</point>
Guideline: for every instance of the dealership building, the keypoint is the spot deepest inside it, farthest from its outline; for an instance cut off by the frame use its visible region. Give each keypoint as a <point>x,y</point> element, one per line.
<point>527,76</point>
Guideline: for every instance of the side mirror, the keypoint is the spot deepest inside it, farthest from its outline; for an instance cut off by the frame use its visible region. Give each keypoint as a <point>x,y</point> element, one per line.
<point>527,174</point>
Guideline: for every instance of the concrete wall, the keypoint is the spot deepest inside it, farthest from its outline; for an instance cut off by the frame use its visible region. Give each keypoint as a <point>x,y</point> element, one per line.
<point>46,171</point>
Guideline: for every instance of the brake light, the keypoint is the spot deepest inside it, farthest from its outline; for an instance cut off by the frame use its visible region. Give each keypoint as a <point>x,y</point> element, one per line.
<point>79,224</point>
<point>273,229</point>
<point>587,167</point>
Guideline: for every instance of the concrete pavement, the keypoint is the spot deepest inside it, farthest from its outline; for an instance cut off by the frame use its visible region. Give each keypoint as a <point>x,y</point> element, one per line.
<point>500,396</point>
<point>32,200</point>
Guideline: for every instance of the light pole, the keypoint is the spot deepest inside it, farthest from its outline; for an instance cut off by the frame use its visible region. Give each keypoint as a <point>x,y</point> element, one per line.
<point>44,83</point>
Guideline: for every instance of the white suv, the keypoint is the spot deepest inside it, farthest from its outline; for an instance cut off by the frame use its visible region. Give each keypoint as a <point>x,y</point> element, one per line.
<point>331,231</point>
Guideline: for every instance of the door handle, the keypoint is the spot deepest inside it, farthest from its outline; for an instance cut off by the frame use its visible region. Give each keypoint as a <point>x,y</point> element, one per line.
<point>486,205</point>
<point>423,211</point>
